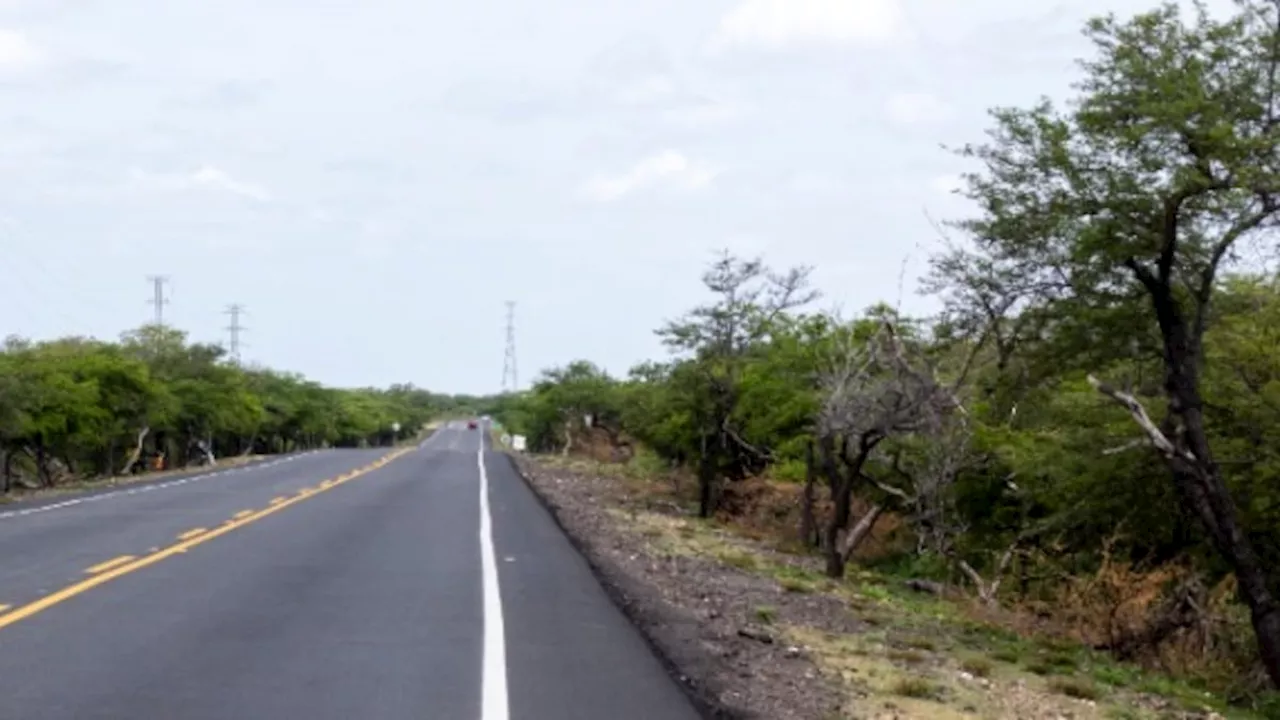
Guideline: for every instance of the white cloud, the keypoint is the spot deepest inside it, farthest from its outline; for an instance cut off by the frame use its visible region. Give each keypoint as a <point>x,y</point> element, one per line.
<point>17,52</point>
<point>207,177</point>
<point>916,108</point>
<point>776,24</point>
<point>669,168</point>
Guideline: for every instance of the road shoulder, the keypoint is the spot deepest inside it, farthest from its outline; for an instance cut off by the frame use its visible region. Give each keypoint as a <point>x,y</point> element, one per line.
<point>696,614</point>
<point>754,629</point>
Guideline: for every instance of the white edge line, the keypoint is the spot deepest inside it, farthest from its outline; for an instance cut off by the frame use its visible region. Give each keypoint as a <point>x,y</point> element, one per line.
<point>493,683</point>
<point>134,491</point>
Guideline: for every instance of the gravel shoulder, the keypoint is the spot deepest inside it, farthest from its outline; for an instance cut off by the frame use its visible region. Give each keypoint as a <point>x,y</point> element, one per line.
<point>755,632</point>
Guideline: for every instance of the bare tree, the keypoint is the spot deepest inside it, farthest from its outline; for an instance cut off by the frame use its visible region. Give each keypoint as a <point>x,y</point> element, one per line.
<point>876,389</point>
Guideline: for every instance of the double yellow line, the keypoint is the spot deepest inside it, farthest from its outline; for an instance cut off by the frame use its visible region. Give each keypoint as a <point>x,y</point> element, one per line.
<point>125,564</point>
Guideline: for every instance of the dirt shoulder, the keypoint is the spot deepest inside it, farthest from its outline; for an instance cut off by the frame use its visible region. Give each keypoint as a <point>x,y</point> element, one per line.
<point>22,495</point>
<point>754,632</point>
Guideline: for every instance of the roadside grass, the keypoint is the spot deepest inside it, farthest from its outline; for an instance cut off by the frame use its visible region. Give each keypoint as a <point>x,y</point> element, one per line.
<point>70,487</point>
<point>921,655</point>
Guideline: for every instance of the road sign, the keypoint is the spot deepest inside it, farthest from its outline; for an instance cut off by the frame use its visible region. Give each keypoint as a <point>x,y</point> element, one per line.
<point>517,443</point>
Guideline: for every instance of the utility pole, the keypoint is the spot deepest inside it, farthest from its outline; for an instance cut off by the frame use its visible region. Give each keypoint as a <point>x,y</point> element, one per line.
<point>510,379</point>
<point>158,299</point>
<point>235,328</point>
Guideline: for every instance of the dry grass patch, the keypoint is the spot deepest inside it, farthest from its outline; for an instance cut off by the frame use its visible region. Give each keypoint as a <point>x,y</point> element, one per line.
<point>1075,687</point>
<point>873,681</point>
<point>913,654</point>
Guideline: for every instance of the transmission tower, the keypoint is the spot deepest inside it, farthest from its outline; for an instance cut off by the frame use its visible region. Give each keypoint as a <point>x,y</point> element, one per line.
<point>510,379</point>
<point>235,328</point>
<point>158,299</point>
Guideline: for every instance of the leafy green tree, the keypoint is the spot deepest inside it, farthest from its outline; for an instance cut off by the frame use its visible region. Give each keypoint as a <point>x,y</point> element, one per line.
<point>719,338</point>
<point>1129,205</point>
<point>76,408</point>
<point>563,402</point>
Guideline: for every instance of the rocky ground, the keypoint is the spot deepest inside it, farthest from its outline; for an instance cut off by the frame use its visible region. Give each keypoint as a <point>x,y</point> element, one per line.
<point>758,633</point>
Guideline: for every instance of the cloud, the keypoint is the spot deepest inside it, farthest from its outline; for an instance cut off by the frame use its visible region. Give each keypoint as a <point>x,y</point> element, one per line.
<point>207,177</point>
<point>669,168</point>
<point>916,108</point>
<point>17,53</point>
<point>779,24</point>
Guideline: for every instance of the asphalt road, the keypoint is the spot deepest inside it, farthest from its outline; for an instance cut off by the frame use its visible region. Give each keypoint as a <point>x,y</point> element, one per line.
<point>424,583</point>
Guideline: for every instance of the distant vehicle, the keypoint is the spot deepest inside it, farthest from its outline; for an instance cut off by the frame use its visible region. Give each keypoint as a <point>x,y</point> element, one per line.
<point>471,424</point>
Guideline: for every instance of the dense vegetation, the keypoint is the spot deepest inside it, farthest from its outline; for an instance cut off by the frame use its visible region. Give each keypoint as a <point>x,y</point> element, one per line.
<point>79,408</point>
<point>1094,415</point>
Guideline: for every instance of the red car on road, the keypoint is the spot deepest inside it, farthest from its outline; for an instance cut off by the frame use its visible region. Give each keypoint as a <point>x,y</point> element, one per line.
<point>471,425</point>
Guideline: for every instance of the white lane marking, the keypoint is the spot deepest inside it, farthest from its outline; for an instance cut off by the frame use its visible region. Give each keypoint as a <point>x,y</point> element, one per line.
<point>149,488</point>
<point>493,682</point>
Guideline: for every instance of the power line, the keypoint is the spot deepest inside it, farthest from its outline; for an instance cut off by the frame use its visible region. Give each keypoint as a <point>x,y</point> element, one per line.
<point>158,299</point>
<point>509,361</point>
<point>235,310</point>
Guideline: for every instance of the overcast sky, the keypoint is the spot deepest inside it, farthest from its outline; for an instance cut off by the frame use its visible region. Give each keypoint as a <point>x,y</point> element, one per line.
<point>374,178</point>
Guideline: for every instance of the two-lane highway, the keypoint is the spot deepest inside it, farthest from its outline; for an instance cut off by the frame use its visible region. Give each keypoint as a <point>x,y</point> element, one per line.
<point>420,583</point>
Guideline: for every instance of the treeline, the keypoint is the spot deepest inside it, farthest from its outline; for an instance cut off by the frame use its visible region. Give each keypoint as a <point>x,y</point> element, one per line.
<point>80,408</point>
<point>1093,418</point>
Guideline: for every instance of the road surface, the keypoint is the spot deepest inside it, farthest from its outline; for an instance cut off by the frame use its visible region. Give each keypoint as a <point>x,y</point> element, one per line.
<point>421,583</point>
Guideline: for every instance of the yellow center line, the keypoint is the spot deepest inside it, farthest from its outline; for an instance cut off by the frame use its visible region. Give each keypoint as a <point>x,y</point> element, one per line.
<point>4,607</point>
<point>277,500</point>
<point>124,565</point>
<point>242,514</point>
<point>109,564</point>
<point>192,533</point>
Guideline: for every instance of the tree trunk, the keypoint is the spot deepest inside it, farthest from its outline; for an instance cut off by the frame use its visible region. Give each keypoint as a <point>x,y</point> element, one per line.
<point>42,465</point>
<point>704,486</point>
<point>841,497</point>
<point>207,447</point>
<point>1199,478</point>
<point>568,438</point>
<point>136,455</point>
<point>808,524</point>
<point>706,480</point>
<point>860,532</point>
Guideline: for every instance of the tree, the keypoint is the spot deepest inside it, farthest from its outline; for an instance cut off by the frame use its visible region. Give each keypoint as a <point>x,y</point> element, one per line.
<point>878,388</point>
<point>719,338</point>
<point>75,407</point>
<point>1130,204</point>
